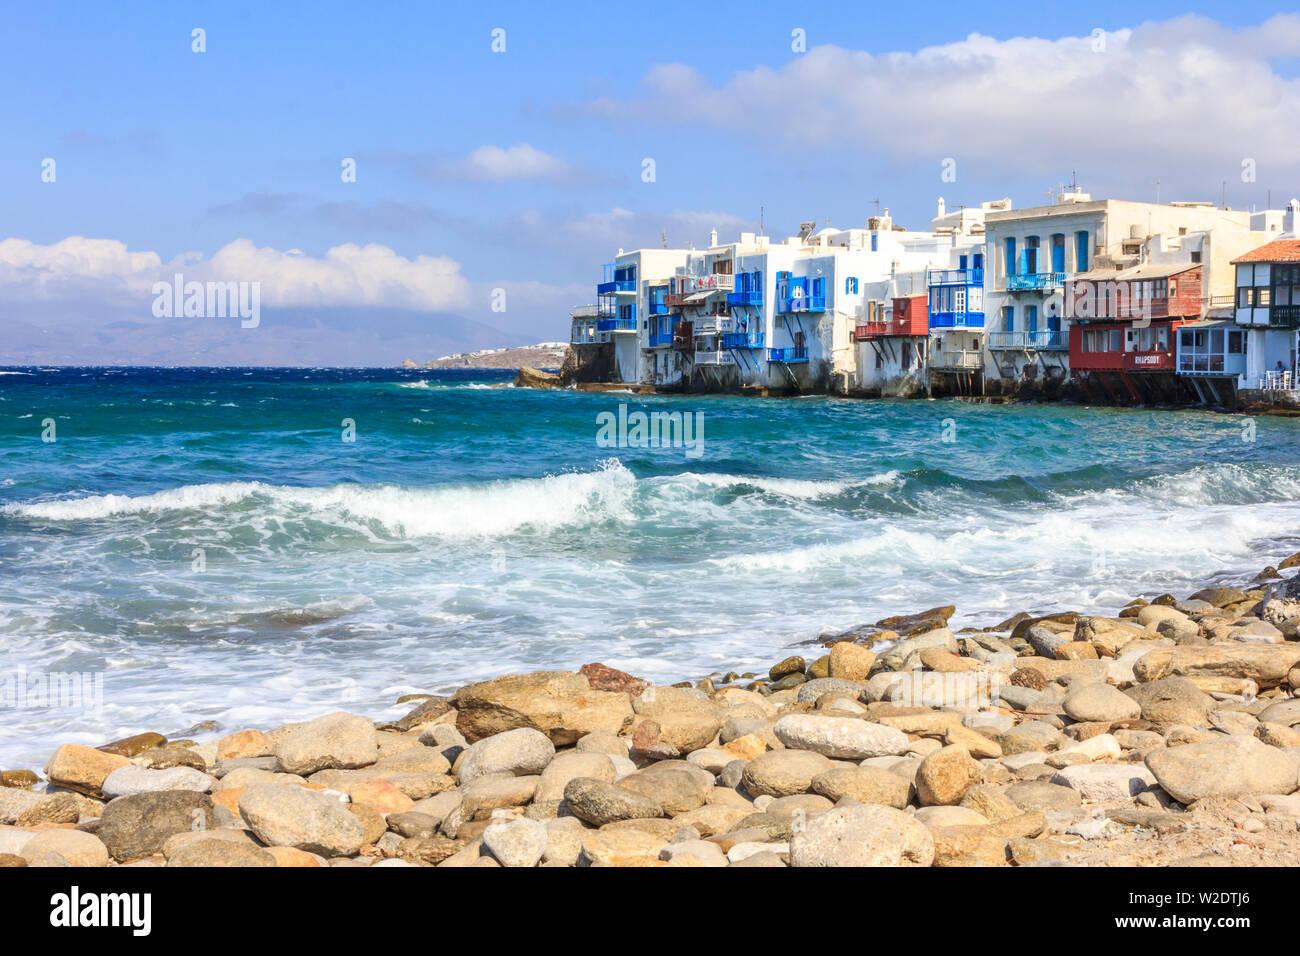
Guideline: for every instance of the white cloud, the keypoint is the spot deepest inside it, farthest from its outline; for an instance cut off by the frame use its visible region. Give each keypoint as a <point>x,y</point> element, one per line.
<point>1189,90</point>
<point>347,275</point>
<point>495,164</point>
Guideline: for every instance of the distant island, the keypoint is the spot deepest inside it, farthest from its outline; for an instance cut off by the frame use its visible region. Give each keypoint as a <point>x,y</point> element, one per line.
<point>544,355</point>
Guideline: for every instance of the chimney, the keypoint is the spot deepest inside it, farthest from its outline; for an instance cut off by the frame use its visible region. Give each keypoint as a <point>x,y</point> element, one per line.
<point>713,238</point>
<point>942,209</point>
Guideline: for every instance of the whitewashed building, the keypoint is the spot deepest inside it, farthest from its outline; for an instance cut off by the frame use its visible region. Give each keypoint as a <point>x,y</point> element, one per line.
<point>1033,253</point>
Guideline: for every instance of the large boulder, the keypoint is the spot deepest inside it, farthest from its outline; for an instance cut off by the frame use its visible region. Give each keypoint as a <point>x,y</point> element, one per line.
<point>518,752</point>
<point>310,820</point>
<point>865,785</point>
<point>1265,664</point>
<point>839,736</point>
<point>560,704</point>
<point>82,768</point>
<point>138,825</point>
<point>528,377</point>
<point>1229,767</point>
<point>128,780</point>
<point>782,773</point>
<point>1099,702</point>
<point>1171,701</point>
<point>568,766</point>
<point>945,776</point>
<point>1106,782</point>
<point>686,719</point>
<point>336,741</point>
<point>71,846</point>
<point>862,836</point>
<point>599,802</point>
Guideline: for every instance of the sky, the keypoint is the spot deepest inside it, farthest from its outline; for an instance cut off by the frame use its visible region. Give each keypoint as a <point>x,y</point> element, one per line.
<point>501,150</point>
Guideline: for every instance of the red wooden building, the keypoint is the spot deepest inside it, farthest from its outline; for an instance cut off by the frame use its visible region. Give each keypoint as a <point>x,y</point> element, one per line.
<point>1122,325</point>
<point>909,316</point>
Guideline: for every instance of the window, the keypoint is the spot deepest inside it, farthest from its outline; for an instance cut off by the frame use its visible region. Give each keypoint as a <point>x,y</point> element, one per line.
<point>1081,251</point>
<point>1058,252</point>
<point>979,260</point>
<point>1008,318</point>
<point>1196,255</point>
<point>1262,296</point>
<point>1116,343</point>
<point>1011,255</point>
<point>1031,255</point>
<point>1031,319</point>
<point>1236,343</point>
<point>1243,297</point>
<point>851,285</point>
<point>874,244</point>
<point>907,355</point>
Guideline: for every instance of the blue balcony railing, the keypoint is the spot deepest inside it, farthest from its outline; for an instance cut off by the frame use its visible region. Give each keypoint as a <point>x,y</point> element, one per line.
<point>1046,341</point>
<point>956,277</point>
<point>616,325</point>
<point>793,354</point>
<point>745,298</point>
<point>956,320</point>
<point>803,303</point>
<point>659,339</point>
<point>1034,281</point>
<point>616,285</point>
<point>742,340</point>
<point>617,277</point>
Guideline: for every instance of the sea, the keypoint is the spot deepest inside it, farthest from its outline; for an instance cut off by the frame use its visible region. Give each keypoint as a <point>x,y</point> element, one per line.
<point>248,547</point>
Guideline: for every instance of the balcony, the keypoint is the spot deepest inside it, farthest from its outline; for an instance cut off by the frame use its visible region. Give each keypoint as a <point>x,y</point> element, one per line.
<point>797,353</point>
<point>618,279</point>
<point>956,277</point>
<point>1035,281</point>
<point>871,330</point>
<point>616,325</point>
<point>714,357</point>
<point>661,339</point>
<point>745,298</point>
<point>712,324</point>
<point>801,303</point>
<point>956,320</point>
<point>957,360</point>
<point>1028,341</point>
<point>742,340</point>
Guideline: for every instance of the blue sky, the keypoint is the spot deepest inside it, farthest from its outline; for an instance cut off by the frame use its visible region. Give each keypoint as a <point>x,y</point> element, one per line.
<point>522,170</point>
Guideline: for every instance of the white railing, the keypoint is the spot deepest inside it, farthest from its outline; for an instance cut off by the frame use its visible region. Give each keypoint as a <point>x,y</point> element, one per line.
<point>715,282</point>
<point>714,358</point>
<point>967,358</point>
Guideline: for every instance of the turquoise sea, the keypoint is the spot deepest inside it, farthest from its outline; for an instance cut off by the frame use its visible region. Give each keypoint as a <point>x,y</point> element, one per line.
<point>208,544</point>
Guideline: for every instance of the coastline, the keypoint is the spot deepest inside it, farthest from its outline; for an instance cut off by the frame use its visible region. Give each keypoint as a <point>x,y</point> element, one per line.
<point>1162,734</point>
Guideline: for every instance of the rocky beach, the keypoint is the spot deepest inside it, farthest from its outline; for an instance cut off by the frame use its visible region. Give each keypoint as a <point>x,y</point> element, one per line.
<point>1163,735</point>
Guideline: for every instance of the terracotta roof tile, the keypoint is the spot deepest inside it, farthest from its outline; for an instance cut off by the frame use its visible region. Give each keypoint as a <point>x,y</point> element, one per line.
<point>1279,250</point>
